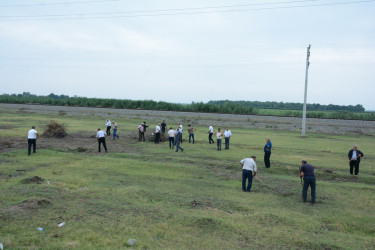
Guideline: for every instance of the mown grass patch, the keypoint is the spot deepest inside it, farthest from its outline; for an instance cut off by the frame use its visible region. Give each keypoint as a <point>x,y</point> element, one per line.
<point>168,199</point>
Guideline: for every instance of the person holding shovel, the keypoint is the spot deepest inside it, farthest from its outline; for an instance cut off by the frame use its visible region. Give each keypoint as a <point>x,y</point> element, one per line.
<point>307,173</point>
<point>100,135</point>
<point>249,170</point>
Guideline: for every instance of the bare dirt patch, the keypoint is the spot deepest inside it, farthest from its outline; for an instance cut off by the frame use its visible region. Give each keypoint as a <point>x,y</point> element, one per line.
<point>5,143</point>
<point>76,143</point>
<point>6,127</point>
<point>323,126</point>
<point>34,179</point>
<point>27,205</point>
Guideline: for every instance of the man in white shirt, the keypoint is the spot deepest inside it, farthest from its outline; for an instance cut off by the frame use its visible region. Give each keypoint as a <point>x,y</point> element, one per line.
<point>157,133</point>
<point>210,133</point>
<point>227,135</point>
<point>32,135</point>
<point>100,135</point>
<point>171,134</point>
<point>108,124</point>
<point>249,170</point>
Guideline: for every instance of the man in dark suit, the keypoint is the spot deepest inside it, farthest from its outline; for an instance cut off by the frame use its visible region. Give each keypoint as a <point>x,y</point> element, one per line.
<point>354,156</point>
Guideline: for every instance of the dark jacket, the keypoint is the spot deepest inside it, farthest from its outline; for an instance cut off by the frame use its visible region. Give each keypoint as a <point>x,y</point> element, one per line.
<point>350,154</point>
<point>144,127</point>
<point>178,136</point>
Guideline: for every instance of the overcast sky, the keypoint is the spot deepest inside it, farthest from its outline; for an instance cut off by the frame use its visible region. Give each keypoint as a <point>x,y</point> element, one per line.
<point>185,51</point>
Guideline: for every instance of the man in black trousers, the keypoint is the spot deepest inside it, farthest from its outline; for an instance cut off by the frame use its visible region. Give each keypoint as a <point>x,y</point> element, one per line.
<point>354,156</point>
<point>101,139</point>
<point>307,173</point>
<point>32,135</point>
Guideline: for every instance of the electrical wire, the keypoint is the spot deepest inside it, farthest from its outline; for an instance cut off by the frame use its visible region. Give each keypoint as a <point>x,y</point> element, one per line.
<point>163,10</point>
<point>119,14</point>
<point>60,3</point>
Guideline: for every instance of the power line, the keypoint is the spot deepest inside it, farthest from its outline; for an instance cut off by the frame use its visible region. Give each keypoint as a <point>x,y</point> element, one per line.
<point>164,10</point>
<point>119,14</point>
<point>60,3</point>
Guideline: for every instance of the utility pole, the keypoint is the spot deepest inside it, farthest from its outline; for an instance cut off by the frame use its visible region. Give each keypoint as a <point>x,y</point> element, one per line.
<point>305,98</point>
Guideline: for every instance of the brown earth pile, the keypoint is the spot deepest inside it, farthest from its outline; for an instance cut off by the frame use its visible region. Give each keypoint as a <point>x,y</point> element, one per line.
<point>55,130</point>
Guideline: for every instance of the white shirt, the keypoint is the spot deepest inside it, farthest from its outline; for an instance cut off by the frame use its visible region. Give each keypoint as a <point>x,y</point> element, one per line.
<point>227,133</point>
<point>171,133</point>
<point>32,134</point>
<point>157,129</point>
<point>249,164</point>
<point>219,135</point>
<point>211,129</point>
<point>354,155</point>
<point>100,134</point>
<point>108,123</point>
<point>181,128</point>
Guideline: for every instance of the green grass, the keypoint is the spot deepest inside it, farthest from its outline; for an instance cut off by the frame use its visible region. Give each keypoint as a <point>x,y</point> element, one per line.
<point>183,200</point>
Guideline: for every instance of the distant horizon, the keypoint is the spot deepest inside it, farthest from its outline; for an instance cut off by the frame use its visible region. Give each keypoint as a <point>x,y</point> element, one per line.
<point>183,103</point>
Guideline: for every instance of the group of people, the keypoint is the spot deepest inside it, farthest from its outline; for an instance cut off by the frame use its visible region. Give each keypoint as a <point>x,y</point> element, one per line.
<point>249,170</point>
<point>249,167</point>
<point>108,124</point>
<point>219,135</point>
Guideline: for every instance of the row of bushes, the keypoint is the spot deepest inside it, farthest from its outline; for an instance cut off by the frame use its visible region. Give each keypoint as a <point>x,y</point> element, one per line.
<point>295,106</point>
<point>227,107</point>
<point>344,115</point>
<point>127,104</point>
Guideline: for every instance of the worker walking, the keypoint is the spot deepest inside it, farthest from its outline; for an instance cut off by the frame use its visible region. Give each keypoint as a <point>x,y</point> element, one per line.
<point>307,173</point>
<point>178,139</point>
<point>32,135</point>
<point>100,135</point>
<point>115,131</point>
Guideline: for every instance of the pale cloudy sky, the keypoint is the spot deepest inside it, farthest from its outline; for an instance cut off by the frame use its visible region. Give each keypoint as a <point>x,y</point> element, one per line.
<point>184,51</point>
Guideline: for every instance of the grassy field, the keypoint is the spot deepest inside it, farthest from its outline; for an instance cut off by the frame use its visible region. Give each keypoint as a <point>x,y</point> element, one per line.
<point>188,200</point>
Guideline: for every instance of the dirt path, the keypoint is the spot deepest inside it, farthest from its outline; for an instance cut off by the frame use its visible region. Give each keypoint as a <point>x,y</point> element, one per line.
<point>70,143</point>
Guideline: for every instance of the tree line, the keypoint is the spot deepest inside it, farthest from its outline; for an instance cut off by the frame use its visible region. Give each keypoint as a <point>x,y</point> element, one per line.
<point>294,106</point>
<point>223,107</point>
<point>63,100</point>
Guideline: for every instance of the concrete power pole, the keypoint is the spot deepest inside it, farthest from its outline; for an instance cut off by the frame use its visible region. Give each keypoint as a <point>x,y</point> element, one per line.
<point>305,98</point>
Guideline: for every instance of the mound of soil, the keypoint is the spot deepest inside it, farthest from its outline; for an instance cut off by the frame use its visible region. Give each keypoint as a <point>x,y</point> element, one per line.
<point>35,179</point>
<point>55,130</point>
<point>5,143</point>
<point>80,149</point>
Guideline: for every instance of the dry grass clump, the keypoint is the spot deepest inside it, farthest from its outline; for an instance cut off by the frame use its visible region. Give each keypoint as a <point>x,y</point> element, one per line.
<point>163,137</point>
<point>55,130</point>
